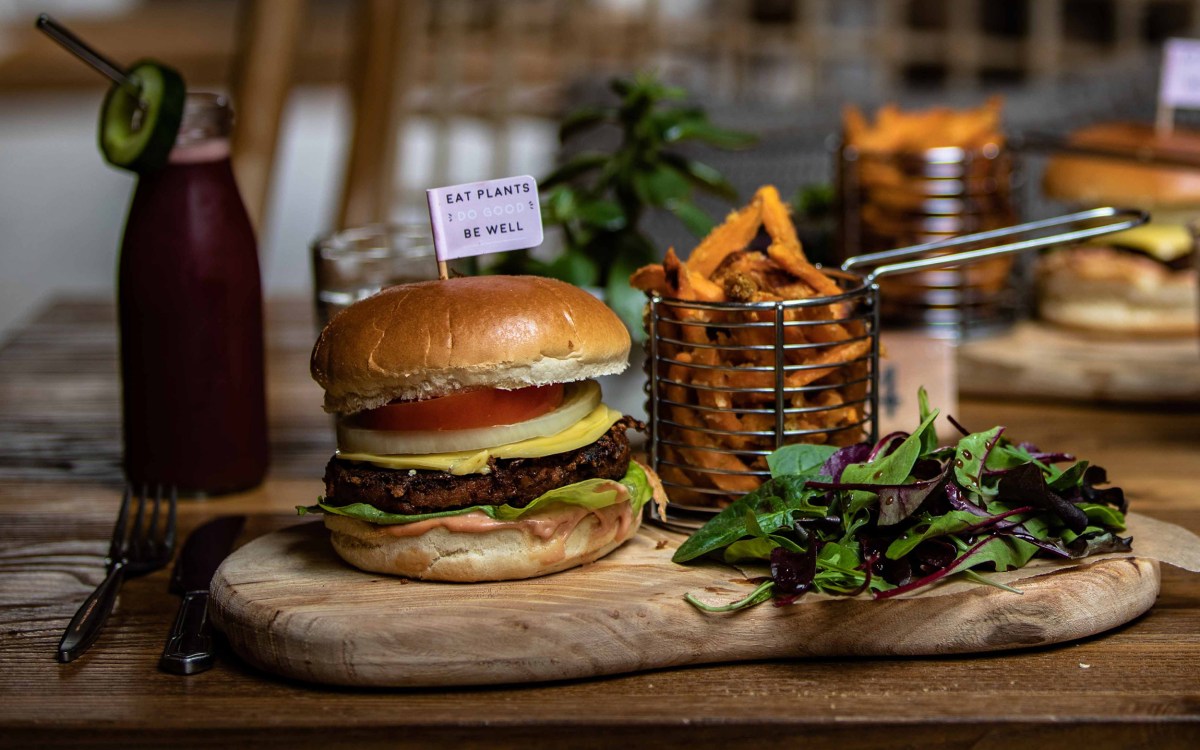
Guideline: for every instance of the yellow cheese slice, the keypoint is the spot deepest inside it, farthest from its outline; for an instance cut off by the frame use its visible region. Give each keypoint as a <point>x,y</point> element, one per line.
<point>584,432</point>
<point>1165,242</point>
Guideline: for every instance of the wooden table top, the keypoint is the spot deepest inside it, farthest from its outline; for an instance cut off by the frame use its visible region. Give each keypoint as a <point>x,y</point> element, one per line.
<point>60,486</point>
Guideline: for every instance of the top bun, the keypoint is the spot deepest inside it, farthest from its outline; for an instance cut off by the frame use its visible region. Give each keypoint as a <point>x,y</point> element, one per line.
<point>1096,180</point>
<point>432,338</point>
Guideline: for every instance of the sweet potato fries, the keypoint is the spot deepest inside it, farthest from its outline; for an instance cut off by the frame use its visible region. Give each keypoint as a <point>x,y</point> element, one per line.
<point>744,294</point>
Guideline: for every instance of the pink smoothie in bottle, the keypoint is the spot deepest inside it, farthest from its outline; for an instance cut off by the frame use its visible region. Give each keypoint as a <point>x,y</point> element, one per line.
<point>190,305</point>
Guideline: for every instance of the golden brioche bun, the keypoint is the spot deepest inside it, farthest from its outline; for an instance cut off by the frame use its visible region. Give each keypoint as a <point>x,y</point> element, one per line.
<point>1104,289</point>
<point>482,549</point>
<point>432,338</point>
<point>1099,181</point>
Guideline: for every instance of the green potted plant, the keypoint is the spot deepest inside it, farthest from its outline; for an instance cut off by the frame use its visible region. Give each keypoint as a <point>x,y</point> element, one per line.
<point>598,199</point>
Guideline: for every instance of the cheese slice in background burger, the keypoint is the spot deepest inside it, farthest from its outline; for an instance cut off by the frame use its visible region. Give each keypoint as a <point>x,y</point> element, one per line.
<point>1141,281</point>
<point>473,444</point>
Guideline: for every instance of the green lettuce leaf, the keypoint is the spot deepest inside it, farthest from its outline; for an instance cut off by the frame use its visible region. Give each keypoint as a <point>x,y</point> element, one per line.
<point>969,457</point>
<point>929,438</point>
<point>1103,515</point>
<point>893,468</point>
<point>590,493</point>
<point>800,458</point>
<point>766,510</point>
<point>948,523</point>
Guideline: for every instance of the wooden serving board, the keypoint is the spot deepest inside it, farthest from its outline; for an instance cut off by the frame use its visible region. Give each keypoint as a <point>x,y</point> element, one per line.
<point>290,606</point>
<point>1037,359</point>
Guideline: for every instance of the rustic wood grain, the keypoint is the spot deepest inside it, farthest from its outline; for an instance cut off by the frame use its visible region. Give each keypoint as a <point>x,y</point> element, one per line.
<point>289,605</point>
<point>1134,686</point>
<point>1036,359</point>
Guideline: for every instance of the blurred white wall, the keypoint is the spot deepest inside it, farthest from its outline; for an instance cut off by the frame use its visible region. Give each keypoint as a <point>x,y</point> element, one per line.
<point>62,207</point>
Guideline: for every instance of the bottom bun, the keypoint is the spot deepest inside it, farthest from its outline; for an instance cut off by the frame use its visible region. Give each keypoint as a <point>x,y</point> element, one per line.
<point>474,547</point>
<point>1103,289</point>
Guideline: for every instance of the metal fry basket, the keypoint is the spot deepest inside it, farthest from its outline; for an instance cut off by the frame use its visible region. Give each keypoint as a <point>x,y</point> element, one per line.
<point>730,382</point>
<point>893,198</point>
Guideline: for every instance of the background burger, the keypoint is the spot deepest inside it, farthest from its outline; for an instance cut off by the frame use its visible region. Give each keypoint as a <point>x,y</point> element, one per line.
<point>1139,281</point>
<point>472,441</point>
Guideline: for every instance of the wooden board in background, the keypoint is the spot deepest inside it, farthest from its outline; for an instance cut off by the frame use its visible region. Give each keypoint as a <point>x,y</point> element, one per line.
<point>1038,360</point>
<point>290,606</point>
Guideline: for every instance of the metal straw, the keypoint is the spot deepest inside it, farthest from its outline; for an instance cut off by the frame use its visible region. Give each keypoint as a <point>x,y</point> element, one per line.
<point>83,51</point>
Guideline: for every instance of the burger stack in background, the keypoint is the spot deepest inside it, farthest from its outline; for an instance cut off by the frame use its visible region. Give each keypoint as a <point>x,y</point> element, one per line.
<point>1138,282</point>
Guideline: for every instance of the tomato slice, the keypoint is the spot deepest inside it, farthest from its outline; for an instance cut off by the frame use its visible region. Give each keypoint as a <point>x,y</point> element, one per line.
<point>486,407</point>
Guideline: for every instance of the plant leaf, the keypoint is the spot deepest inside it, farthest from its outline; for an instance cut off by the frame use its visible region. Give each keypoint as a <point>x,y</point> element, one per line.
<point>773,505</point>
<point>1026,485</point>
<point>633,252</point>
<point>757,596</point>
<point>660,185</point>
<point>929,440</point>
<point>895,467</point>
<point>700,129</point>
<point>1003,552</point>
<point>948,523</point>
<point>558,205</point>
<point>583,119</point>
<point>696,221</point>
<point>1064,481</point>
<point>602,214</point>
<point>799,459</point>
<point>702,175</point>
<point>758,548</point>
<point>574,266</point>
<point>971,455</point>
<point>580,165</point>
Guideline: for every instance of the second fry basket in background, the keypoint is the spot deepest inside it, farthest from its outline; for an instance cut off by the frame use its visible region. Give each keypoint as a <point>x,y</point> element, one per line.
<point>890,199</point>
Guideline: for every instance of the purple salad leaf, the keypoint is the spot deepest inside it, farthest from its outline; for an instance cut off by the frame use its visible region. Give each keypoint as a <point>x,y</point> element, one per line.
<point>927,558</point>
<point>1099,543</point>
<point>851,454</point>
<point>959,500</point>
<point>1114,496</point>
<point>957,426</point>
<point>1004,553</point>
<point>886,445</point>
<point>898,503</point>
<point>1026,485</point>
<point>792,572</point>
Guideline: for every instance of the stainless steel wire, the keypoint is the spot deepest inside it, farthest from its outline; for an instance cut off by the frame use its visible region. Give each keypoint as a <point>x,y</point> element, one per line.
<point>731,382</point>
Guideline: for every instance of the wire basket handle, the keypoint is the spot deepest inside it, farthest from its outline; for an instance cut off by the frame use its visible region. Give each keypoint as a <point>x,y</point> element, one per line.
<point>1125,218</point>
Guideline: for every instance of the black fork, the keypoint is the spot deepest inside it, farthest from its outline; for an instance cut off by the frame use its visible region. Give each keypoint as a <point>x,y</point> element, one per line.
<point>135,550</point>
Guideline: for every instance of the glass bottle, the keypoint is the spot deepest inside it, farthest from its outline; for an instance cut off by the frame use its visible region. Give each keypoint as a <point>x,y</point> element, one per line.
<point>191,322</point>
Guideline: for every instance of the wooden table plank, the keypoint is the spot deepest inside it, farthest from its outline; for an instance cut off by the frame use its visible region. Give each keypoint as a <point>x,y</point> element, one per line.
<point>59,489</point>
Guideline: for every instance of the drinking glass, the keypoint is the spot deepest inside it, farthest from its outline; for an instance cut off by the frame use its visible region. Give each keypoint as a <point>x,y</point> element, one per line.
<point>353,264</point>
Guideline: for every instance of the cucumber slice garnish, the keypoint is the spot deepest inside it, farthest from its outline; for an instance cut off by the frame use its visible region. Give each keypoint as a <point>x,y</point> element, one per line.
<point>137,137</point>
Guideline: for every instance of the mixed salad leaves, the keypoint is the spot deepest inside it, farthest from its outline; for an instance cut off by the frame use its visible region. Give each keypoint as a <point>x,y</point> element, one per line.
<point>892,517</point>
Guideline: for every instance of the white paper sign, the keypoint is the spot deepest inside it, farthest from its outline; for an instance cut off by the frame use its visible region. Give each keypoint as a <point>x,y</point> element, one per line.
<point>1179,86</point>
<point>485,217</point>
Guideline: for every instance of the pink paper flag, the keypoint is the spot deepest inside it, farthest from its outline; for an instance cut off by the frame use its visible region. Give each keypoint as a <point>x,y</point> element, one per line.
<point>485,217</point>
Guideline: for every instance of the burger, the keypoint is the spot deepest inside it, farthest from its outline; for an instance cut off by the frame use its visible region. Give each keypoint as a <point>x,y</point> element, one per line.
<point>472,441</point>
<point>1140,281</point>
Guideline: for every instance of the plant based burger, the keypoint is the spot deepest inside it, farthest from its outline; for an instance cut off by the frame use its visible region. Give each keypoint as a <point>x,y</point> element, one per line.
<point>473,444</point>
<point>1140,281</point>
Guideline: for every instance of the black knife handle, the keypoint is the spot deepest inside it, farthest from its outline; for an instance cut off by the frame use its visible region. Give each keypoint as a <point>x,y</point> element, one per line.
<point>91,615</point>
<point>189,648</point>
